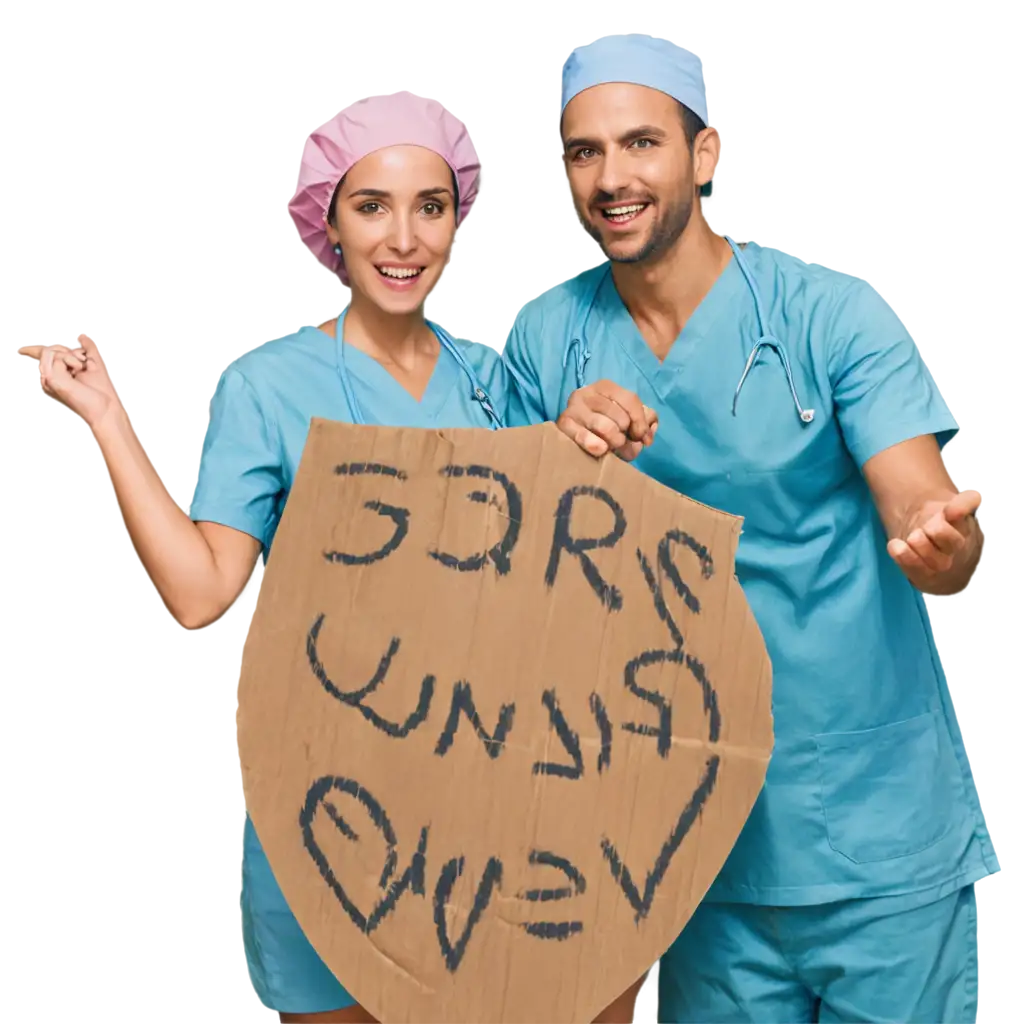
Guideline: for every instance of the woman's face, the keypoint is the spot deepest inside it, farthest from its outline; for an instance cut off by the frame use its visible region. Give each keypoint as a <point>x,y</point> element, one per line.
<point>394,217</point>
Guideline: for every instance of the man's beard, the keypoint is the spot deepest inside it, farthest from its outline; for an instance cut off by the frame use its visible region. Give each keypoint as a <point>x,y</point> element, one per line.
<point>665,233</point>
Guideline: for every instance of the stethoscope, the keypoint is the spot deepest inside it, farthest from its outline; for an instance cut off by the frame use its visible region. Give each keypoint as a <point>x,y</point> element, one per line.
<point>479,393</point>
<point>578,348</point>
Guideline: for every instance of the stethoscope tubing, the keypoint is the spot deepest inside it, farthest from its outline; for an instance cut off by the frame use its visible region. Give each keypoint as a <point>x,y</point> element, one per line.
<point>479,392</point>
<point>578,347</point>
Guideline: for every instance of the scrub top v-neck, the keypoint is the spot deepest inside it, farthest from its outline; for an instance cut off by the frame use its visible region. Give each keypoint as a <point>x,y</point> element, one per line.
<point>260,415</point>
<point>381,396</point>
<point>619,328</point>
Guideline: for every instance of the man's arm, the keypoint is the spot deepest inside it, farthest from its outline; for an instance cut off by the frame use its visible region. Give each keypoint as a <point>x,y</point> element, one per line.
<point>895,423</point>
<point>933,534</point>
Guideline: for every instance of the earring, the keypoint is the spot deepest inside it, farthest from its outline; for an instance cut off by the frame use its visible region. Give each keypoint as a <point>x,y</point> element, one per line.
<point>337,249</point>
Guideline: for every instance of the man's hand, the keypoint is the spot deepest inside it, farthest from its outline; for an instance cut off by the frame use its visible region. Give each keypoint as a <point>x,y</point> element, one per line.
<point>939,546</point>
<point>933,535</point>
<point>603,418</point>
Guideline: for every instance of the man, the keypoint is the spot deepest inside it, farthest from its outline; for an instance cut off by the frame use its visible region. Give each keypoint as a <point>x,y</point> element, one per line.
<point>793,396</point>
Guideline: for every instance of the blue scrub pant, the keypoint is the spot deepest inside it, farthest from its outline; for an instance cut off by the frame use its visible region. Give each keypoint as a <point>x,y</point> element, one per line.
<point>285,970</point>
<point>887,959</point>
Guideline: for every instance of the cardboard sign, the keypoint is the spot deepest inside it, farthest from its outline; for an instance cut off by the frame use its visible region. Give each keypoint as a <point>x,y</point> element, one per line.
<point>503,712</point>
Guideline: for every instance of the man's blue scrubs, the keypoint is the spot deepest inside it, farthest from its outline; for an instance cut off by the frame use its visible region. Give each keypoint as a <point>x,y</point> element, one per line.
<point>869,821</point>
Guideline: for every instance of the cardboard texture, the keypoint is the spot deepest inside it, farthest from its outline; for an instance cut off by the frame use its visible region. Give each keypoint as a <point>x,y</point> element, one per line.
<point>503,712</point>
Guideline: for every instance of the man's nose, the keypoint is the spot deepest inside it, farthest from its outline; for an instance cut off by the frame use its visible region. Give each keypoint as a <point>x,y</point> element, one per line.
<point>612,174</point>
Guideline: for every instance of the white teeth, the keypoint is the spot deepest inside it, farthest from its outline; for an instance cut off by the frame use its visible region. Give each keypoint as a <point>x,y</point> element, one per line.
<point>621,211</point>
<point>399,271</point>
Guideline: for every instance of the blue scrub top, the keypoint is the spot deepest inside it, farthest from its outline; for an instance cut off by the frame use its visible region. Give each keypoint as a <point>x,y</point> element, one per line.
<point>260,415</point>
<point>259,419</point>
<point>869,791</point>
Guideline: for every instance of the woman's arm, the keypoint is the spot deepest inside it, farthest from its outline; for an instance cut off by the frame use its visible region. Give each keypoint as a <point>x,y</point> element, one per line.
<point>199,569</point>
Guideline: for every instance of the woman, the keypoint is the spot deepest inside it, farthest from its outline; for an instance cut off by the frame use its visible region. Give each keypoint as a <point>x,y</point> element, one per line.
<point>382,188</point>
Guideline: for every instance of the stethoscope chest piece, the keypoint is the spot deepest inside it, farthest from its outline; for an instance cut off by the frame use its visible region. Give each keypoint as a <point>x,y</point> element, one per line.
<point>767,341</point>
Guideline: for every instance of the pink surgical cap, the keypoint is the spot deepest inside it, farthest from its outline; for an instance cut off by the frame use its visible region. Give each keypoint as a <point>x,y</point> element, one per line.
<point>401,119</point>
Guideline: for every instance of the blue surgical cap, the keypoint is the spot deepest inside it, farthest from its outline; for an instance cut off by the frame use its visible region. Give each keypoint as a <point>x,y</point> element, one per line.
<point>639,60</point>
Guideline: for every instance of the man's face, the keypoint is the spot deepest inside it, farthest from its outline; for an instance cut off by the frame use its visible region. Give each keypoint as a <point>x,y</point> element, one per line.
<point>630,169</point>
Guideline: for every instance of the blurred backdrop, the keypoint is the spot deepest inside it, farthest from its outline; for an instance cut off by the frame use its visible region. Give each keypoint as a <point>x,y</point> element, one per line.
<point>142,159</point>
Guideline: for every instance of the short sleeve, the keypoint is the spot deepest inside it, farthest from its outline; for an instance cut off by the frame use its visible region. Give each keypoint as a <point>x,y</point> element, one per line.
<point>526,401</point>
<point>240,476</point>
<point>882,390</point>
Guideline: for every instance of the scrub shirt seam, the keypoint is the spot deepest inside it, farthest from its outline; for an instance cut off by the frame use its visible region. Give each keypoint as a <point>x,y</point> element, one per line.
<point>273,431</point>
<point>207,511</point>
<point>942,888</point>
<point>970,792</point>
<point>971,981</point>
<point>897,432</point>
<point>838,294</point>
<point>269,419</point>
<point>650,383</point>
<point>873,448</point>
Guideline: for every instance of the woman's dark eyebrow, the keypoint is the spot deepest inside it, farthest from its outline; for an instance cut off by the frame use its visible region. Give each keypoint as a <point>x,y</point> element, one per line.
<point>378,193</point>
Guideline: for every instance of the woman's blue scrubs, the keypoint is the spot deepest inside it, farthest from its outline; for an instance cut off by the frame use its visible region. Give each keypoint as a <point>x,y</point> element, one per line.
<point>259,418</point>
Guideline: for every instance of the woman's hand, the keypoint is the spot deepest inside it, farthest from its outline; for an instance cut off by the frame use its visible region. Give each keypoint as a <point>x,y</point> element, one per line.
<point>76,378</point>
<point>198,569</point>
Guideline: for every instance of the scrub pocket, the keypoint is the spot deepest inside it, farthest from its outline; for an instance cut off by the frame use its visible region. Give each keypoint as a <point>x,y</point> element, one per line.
<point>889,792</point>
